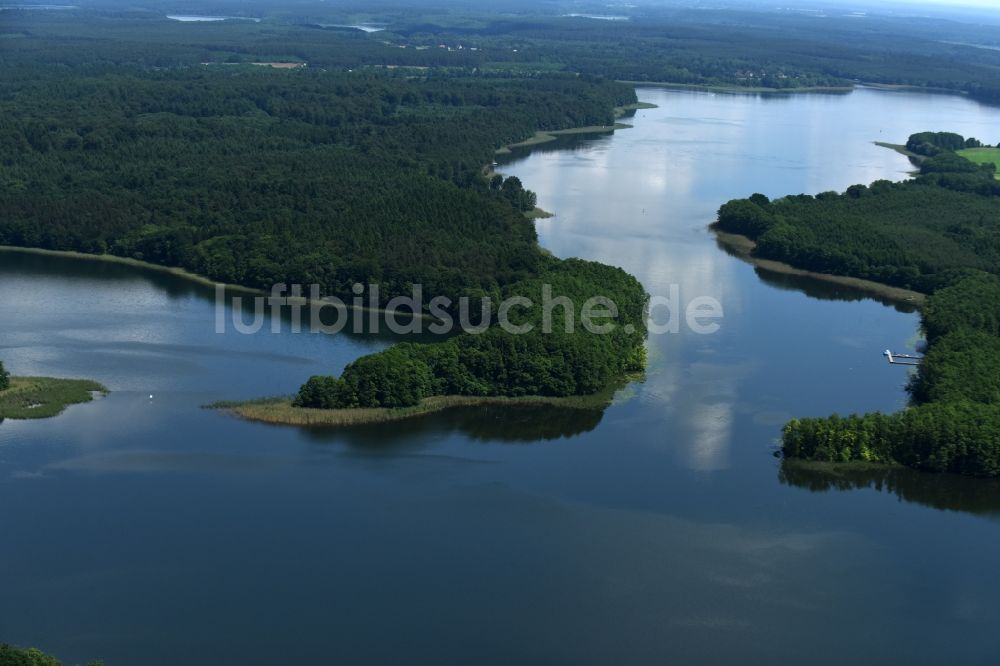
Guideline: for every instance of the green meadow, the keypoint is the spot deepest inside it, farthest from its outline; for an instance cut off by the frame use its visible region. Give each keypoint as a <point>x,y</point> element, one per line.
<point>983,156</point>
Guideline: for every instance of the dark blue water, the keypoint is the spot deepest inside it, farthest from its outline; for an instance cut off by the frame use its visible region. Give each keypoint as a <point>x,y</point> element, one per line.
<point>156,532</point>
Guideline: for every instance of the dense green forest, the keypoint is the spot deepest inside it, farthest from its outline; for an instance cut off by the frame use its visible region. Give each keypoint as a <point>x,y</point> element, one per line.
<point>13,656</point>
<point>259,176</point>
<point>930,144</point>
<point>938,233</point>
<point>918,234</point>
<point>569,360</point>
<point>256,176</point>
<point>954,425</point>
<point>4,377</point>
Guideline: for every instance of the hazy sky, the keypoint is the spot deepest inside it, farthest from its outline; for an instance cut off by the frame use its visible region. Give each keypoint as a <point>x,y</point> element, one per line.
<point>986,4</point>
<point>977,4</point>
<point>928,6</point>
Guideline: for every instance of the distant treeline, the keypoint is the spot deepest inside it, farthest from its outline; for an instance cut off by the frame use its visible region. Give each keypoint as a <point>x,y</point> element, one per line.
<point>733,47</point>
<point>939,233</point>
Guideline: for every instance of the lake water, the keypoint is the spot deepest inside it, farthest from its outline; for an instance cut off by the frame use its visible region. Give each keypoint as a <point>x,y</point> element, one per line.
<point>363,27</point>
<point>599,17</point>
<point>155,532</point>
<point>197,18</point>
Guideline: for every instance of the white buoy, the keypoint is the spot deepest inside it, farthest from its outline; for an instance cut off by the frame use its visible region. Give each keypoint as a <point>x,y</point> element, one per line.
<point>150,396</point>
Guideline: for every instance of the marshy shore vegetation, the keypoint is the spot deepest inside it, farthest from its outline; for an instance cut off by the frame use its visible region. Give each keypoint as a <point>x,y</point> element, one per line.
<point>283,411</point>
<point>44,397</point>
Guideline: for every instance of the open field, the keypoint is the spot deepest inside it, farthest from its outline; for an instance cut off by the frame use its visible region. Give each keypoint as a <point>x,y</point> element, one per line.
<point>983,156</point>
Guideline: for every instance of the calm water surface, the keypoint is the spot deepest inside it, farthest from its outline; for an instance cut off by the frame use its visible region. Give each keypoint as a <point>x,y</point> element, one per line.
<point>155,532</point>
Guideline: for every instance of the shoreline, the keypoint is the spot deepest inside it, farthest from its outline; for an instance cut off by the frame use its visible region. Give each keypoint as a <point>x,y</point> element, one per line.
<point>280,412</point>
<point>742,248</point>
<point>548,136</point>
<point>914,158</point>
<point>537,213</point>
<point>732,89</point>
<point>194,277</point>
<point>760,90</point>
<point>903,87</point>
<point>621,111</point>
<point>899,148</point>
<point>129,261</point>
<point>541,137</point>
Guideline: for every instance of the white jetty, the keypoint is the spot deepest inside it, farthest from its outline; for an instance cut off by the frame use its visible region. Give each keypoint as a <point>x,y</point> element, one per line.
<point>901,359</point>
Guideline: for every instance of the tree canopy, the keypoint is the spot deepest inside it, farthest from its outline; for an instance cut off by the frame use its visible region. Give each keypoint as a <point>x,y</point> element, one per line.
<point>312,175</point>
<point>569,360</point>
<point>256,177</point>
<point>13,656</point>
<point>757,48</point>
<point>937,233</point>
<point>919,234</point>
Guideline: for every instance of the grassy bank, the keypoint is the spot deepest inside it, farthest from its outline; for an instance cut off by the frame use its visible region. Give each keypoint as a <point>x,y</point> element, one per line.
<point>279,411</point>
<point>622,110</point>
<point>43,397</point>
<point>742,247</point>
<point>546,137</point>
<point>537,213</point>
<point>901,149</point>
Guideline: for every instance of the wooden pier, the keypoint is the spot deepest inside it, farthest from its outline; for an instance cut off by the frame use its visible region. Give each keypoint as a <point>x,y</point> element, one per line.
<point>902,359</point>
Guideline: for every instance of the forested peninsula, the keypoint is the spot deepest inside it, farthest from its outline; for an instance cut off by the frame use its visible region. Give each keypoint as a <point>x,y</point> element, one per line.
<point>258,176</point>
<point>938,233</point>
<point>561,358</point>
